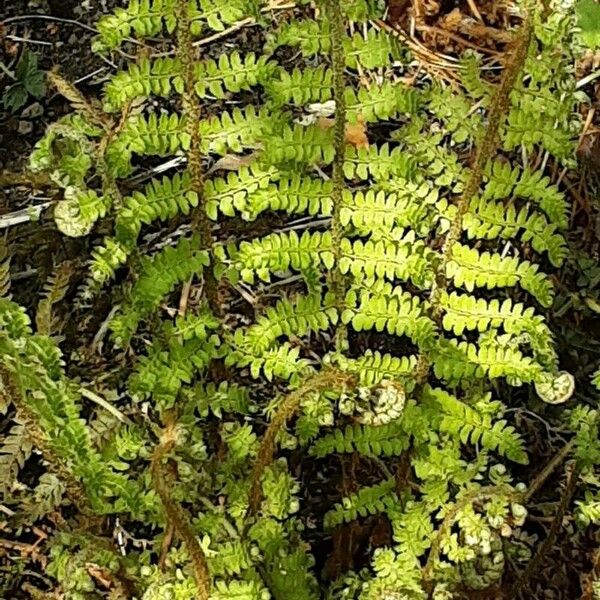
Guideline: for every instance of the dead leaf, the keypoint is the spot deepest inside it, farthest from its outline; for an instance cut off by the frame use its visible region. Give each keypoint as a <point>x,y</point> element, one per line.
<point>233,162</point>
<point>356,133</point>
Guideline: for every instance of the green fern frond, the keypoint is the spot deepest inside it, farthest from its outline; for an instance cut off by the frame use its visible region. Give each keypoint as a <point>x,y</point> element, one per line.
<point>162,372</point>
<point>76,214</point>
<point>489,220</point>
<point>378,49</point>
<point>367,501</point>
<point>148,18</point>
<point>106,259</point>
<point>218,399</point>
<point>373,367</point>
<point>475,427</point>
<point>470,268</point>
<point>396,312</point>
<point>296,143</point>
<point>278,252</point>
<point>166,135</point>
<point>456,361</point>
<point>369,440</point>
<point>405,258</point>
<point>301,86</point>
<point>158,277</point>
<point>161,77</point>
<point>290,318</point>
<point>379,163</point>
<point>15,449</point>
<point>504,182</point>
<point>381,102</point>
<point>463,312</point>
<point>283,362</point>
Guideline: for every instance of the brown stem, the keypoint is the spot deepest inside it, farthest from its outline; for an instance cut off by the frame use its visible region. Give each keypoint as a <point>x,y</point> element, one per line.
<point>176,515</point>
<point>186,53</point>
<point>287,409</point>
<point>338,63</point>
<point>523,582</point>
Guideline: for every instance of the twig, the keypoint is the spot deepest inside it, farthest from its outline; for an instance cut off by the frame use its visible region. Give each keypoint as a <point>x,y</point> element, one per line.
<point>523,581</point>
<point>556,460</point>
<point>113,410</point>
<point>475,10</point>
<point>31,213</point>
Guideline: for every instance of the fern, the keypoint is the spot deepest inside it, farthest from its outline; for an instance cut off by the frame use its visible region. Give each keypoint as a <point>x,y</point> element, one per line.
<point>158,277</point>
<point>367,501</point>
<point>370,440</point>
<point>385,288</point>
<point>161,77</point>
<point>16,448</point>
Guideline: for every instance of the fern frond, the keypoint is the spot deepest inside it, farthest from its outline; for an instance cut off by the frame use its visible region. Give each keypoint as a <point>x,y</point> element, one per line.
<point>166,135</point>
<point>369,440</point>
<point>370,500</point>
<point>239,590</point>
<point>296,143</point>
<point>225,397</point>
<point>161,77</point>
<point>406,258</point>
<point>106,259</point>
<point>373,367</point>
<point>54,291</point>
<point>158,277</point>
<point>504,181</point>
<point>76,214</point>
<point>282,362</point>
<point>278,252</point>
<point>455,361</point>
<point>381,102</point>
<point>476,427</point>
<point>470,268</point>
<point>290,318</point>
<point>16,448</point>
<point>249,192</point>
<point>148,18</point>
<point>463,312</point>
<point>537,187</point>
<point>379,163</point>
<point>301,86</point>
<point>376,213</point>
<point>161,373</point>
<point>489,220</point>
<point>378,49</point>
<point>390,310</point>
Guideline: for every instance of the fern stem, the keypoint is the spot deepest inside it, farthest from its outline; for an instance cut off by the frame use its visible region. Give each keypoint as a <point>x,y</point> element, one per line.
<point>287,409</point>
<point>448,522</point>
<point>338,63</point>
<point>485,151</point>
<point>176,514</point>
<point>191,109</point>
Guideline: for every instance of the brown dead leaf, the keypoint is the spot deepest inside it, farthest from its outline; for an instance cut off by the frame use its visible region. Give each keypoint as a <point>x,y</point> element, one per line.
<point>356,133</point>
<point>233,162</point>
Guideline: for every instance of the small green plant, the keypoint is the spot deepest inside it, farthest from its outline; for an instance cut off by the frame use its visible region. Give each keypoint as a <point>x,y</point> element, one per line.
<point>28,80</point>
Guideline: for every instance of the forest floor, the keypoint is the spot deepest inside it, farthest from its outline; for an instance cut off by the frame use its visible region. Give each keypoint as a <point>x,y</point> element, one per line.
<point>60,33</point>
